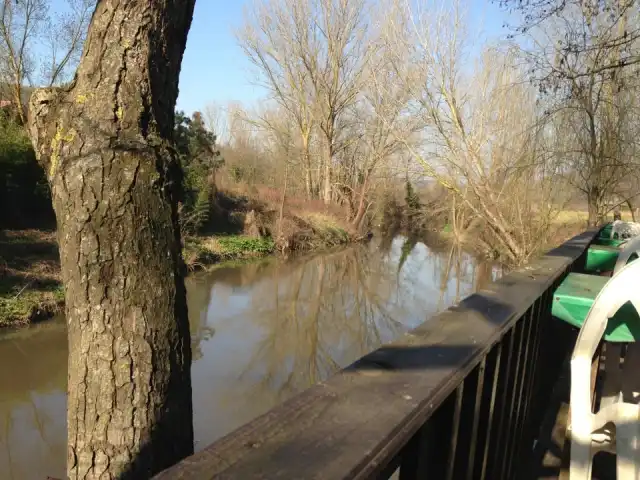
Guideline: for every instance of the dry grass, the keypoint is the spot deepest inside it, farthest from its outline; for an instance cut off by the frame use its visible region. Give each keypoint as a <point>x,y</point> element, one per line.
<point>305,224</point>
<point>271,198</point>
<point>569,217</point>
<point>580,216</point>
<point>569,223</point>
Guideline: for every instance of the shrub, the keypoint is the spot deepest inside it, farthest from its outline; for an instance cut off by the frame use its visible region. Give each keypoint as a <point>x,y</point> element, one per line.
<point>24,191</point>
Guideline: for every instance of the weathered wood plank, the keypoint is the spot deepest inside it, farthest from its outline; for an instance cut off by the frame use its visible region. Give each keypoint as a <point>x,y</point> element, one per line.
<point>353,424</point>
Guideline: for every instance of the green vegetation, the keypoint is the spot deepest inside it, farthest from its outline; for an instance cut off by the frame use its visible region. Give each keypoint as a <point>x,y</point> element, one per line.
<point>240,244</point>
<point>23,186</point>
<point>29,305</point>
<point>219,225</point>
<point>196,147</point>
<point>30,284</point>
<point>201,251</point>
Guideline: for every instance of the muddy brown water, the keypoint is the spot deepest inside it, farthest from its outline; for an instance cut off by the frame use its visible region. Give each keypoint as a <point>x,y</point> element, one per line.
<point>261,332</point>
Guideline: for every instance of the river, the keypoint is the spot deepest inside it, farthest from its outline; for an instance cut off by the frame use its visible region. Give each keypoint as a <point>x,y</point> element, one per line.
<point>260,333</point>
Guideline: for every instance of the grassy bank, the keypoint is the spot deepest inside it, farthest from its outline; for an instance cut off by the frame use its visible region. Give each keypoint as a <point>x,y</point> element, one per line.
<point>251,227</point>
<point>30,283</point>
<point>199,252</point>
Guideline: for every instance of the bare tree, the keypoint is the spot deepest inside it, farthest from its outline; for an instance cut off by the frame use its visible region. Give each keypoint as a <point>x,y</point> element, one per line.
<point>383,126</point>
<point>616,21</point>
<point>216,119</point>
<point>276,52</point>
<point>310,55</point>
<point>584,60</point>
<point>64,35</point>
<point>242,153</point>
<point>481,132</point>
<point>19,24</point>
<point>104,143</point>
<point>25,23</point>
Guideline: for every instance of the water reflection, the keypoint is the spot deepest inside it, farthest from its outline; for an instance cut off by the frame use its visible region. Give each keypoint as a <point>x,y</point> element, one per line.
<point>282,326</point>
<point>33,374</point>
<point>260,333</point>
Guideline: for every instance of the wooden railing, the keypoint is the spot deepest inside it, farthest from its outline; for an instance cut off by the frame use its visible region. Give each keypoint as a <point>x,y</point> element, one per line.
<point>460,397</point>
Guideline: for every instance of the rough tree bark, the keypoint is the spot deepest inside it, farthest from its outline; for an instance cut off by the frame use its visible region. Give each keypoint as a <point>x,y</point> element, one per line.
<point>104,142</point>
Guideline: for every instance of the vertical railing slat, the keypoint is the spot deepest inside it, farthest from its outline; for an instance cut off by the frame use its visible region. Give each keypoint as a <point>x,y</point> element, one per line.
<point>523,392</point>
<point>427,453</point>
<point>455,430</point>
<point>504,385</point>
<point>478,404</point>
<point>514,381</point>
<point>530,425</point>
<point>492,403</point>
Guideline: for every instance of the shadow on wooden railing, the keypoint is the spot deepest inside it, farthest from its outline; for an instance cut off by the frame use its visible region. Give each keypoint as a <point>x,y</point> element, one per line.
<point>460,397</point>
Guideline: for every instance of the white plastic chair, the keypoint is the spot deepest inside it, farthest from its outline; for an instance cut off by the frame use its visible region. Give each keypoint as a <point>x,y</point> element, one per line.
<point>589,431</point>
<point>628,248</point>
<point>625,229</point>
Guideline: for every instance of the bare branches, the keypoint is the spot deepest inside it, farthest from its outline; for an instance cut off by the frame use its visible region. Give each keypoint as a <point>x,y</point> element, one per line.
<point>64,37</point>
<point>29,24</point>
<point>481,137</point>
<point>613,23</point>
<point>368,87</point>
<point>310,55</point>
<point>584,62</point>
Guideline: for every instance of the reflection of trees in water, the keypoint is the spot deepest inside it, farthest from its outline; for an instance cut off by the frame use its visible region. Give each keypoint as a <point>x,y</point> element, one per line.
<point>50,459</point>
<point>384,245</point>
<point>312,315</point>
<point>320,317</point>
<point>332,309</point>
<point>407,247</point>
<point>198,300</point>
<point>32,407</point>
<point>464,270</point>
<point>226,279</point>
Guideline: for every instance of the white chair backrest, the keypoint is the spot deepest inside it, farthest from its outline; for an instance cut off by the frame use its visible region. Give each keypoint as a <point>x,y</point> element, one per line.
<point>630,247</point>
<point>620,289</point>
<point>624,229</point>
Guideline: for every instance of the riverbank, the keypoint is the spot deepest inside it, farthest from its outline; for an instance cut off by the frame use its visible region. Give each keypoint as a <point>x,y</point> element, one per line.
<point>564,226</point>
<point>313,232</point>
<point>30,282</point>
<point>31,286</point>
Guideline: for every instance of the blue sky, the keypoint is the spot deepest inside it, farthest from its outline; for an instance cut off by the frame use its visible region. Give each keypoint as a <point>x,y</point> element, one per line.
<point>215,69</point>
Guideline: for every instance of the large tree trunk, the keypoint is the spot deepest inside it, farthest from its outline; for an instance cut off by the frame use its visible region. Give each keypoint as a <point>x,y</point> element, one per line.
<point>632,210</point>
<point>104,143</point>
<point>326,190</point>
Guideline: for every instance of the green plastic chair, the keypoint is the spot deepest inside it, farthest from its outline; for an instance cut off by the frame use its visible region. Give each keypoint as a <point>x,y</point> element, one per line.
<point>573,299</point>
<point>608,237</point>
